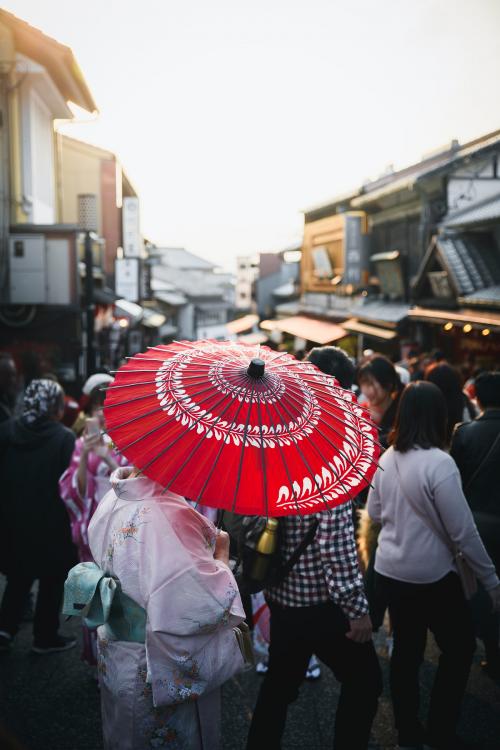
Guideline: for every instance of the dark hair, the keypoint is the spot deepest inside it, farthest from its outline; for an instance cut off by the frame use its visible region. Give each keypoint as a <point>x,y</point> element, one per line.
<point>96,399</point>
<point>383,371</point>
<point>488,390</point>
<point>448,381</point>
<point>420,418</point>
<point>333,361</point>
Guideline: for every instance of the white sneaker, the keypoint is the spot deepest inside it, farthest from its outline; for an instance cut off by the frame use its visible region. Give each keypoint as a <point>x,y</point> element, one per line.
<point>313,670</point>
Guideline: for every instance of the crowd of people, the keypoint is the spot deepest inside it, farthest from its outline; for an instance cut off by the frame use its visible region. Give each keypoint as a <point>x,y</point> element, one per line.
<point>393,558</point>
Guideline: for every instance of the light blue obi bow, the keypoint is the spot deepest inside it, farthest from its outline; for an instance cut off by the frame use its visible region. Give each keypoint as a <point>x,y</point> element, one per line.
<point>97,597</point>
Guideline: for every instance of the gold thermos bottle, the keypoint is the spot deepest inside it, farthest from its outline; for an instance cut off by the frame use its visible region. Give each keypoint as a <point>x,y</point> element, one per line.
<point>266,547</point>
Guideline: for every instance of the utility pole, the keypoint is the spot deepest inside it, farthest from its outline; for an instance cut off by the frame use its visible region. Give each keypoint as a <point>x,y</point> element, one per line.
<point>89,305</point>
<point>87,221</point>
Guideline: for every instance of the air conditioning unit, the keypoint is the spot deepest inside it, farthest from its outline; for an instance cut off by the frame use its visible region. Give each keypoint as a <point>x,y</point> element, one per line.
<point>27,263</point>
<point>40,270</point>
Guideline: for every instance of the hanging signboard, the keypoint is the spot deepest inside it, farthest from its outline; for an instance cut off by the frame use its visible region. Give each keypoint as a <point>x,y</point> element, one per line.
<point>133,247</point>
<point>127,278</point>
<point>354,251</point>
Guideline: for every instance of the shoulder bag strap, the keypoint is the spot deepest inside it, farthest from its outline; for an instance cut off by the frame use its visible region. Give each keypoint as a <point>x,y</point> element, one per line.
<point>299,551</point>
<point>482,463</point>
<point>441,533</point>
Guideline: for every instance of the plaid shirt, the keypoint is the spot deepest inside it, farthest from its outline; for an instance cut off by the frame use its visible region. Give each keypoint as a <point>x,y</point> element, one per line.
<point>328,569</point>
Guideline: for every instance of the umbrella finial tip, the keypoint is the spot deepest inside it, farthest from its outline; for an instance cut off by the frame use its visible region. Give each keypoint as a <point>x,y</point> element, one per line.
<point>256,368</point>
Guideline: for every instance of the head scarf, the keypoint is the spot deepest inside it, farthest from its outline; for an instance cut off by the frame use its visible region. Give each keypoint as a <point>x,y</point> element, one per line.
<point>41,399</point>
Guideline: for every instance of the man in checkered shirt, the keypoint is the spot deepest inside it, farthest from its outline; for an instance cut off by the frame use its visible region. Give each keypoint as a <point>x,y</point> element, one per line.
<point>320,608</point>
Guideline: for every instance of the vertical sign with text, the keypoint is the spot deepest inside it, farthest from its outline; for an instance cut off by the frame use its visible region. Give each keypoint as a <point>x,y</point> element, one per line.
<point>133,246</point>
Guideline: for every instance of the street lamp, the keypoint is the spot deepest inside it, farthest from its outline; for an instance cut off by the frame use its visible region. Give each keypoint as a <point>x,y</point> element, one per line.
<point>87,221</point>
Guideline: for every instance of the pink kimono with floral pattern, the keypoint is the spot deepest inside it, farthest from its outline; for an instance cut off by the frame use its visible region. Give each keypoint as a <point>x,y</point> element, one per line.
<point>164,693</point>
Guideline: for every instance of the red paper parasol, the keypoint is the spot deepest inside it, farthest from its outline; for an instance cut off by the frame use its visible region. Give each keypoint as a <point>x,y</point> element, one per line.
<point>241,427</point>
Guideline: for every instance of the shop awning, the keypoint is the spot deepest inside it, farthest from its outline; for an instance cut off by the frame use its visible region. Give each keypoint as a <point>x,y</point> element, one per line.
<point>174,298</point>
<point>253,338</point>
<point>126,309</point>
<point>459,317</point>
<point>269,325</point>
<point>355,326</point>
<point>310,329</point>
<point>242,324</point>
<point>153,318</point>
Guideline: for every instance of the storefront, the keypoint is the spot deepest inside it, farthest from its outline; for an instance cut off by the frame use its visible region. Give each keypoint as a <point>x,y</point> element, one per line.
<point>466,337</point>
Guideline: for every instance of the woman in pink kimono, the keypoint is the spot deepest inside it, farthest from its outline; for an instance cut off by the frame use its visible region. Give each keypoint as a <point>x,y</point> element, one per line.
<point>84,484</point>
<point>169,606</point>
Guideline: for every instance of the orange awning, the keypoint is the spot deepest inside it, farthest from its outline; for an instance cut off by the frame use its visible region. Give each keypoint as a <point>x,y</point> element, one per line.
<point>253,338</point>
<point>242,324</point>
<point>353,325</point>
<point>317,331</point>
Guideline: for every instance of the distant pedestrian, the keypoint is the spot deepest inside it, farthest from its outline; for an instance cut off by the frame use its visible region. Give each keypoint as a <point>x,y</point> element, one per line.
<point>381,386</point>
<point>418,491</point>
<point>86,481</point>
<point>335,362</point>
<point>476,449</point>
<point>458,405</point>
<point>34,527</point>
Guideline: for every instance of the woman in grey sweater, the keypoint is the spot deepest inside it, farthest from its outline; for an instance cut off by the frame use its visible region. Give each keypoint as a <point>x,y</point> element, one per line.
<point>415,570</point>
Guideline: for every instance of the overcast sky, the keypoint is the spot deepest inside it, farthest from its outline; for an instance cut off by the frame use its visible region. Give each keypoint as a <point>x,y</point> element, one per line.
<point>231,116</point>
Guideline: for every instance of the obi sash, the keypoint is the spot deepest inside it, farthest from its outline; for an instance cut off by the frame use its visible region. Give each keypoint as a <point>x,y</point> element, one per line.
<point>91,593</point>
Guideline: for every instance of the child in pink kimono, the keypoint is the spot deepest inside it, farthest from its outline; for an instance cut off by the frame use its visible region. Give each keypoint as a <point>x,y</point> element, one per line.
<point>84,484</point>
<point>160,681</point>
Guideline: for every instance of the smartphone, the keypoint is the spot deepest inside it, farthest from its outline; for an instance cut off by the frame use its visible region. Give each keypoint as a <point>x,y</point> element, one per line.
<point>92,428</point>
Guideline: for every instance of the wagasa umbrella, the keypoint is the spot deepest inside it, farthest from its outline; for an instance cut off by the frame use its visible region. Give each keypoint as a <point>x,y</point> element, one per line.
<point>241,427</point>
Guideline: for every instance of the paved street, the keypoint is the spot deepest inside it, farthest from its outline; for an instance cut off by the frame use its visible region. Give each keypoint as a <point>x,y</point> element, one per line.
<point>50,703</point>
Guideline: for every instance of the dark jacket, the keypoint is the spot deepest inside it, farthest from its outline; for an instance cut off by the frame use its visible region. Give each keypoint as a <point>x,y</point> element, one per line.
<point>469,447</point>
<point>35,535</point>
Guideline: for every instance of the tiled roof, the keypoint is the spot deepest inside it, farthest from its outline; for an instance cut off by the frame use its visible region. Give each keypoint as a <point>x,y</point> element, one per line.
<point>488,210</point>
<point>178,257</point>
<point>473,260</point>
<point>388,312</point>
<point>488,296</point>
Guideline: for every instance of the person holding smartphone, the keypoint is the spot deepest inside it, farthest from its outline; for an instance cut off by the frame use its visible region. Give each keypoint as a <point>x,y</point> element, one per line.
<point>87,480</point>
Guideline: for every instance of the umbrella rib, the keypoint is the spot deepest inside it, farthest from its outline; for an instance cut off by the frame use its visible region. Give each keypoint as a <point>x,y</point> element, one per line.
<point>200,443</point>
<point>240,464</point>
<point>263,457</point>
<point>319,385</point>
<point>163,424</point>
<point>306,463</point>
<point>224,443</point>
<point>170,445</point>
<point>290,415</point>
<point>129,385</point>
<point>285,465</point>
<point>354,445</point>
<point>294,388</point>
<point>129,401</point>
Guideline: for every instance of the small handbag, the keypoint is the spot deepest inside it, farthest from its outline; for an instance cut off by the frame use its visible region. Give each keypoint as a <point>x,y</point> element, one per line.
<point>464,571</point>
<point>244,639</point>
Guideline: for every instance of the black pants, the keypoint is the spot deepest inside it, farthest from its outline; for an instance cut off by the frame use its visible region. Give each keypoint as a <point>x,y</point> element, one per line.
<point>441,608</point>
<point>48,605</point>
<point>297,633</point>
